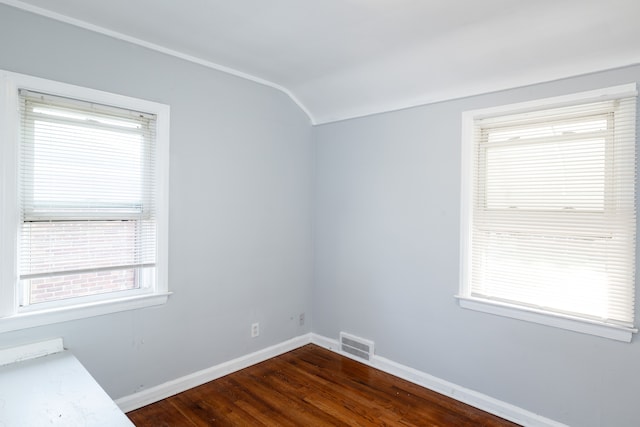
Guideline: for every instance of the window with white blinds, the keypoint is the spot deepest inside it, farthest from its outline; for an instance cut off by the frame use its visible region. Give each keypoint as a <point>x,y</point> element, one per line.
<point>549,216</point>
<point>84,206</point>
<point>87,208</point>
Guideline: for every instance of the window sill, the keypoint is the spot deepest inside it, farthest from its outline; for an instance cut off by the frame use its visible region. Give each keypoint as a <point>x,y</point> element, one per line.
<point>614,332</point>
<point>64,314</point>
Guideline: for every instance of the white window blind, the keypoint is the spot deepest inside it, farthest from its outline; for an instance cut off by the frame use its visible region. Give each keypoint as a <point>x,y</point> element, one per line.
<point>86,199</point>
<point>553,210</point>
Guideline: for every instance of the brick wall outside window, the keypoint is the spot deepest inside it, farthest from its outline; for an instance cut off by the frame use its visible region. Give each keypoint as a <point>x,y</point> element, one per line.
<point>73,245</point>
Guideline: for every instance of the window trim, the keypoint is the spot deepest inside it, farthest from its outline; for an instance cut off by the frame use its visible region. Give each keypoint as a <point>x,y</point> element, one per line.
<point>465,300</point>
<point>11,317</point>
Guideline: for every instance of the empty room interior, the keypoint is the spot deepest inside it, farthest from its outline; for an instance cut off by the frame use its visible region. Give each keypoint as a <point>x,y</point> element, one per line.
<point>443,190</point>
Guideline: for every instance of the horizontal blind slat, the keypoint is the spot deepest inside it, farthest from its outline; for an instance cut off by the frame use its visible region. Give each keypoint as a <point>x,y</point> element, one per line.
<point>87,173</point>
<point>553,209</point>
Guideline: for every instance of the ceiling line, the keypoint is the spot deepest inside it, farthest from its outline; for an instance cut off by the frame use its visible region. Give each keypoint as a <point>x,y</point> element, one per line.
<point>117,35</point>
<point>357,112</point>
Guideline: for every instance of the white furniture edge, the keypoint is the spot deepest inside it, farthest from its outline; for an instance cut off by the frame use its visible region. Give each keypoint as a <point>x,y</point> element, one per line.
<point>30,351</point>
<point>478,400</point>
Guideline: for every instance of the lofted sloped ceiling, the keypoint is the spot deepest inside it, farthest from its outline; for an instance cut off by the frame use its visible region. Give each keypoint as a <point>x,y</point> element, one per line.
<point>340,59</point>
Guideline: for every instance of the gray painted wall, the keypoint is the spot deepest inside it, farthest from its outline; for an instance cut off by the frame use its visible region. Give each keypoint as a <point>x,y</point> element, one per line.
<point>387,267</point>
<point>240,201</point>
<point>386,218</point>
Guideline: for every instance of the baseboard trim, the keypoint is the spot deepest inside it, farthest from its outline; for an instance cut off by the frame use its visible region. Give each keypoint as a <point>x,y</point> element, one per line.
<point>454,391</point>
<point>470,397</point>
<point>328,343</point>
<point>173,387</point>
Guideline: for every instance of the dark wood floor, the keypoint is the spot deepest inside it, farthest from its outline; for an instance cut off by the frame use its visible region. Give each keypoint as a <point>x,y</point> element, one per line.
<point>311,386</point>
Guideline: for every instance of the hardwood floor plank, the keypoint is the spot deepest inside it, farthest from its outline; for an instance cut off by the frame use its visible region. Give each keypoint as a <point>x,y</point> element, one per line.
<point>161,414</point>
<point>272,399</point>
<point>331,396</point>
<point>279,395</point>
<point>311,393</point>
<point>368,383</point>
<point>415,400</point>
<point>311,386</point>
<point>204,411</point>
<point>377,388</point>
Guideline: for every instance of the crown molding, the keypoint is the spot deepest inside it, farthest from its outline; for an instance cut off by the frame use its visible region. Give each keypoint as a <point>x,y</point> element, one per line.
<point>152,46</point>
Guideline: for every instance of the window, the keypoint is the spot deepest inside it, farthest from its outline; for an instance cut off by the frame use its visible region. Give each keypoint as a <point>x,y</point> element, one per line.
<point>85,205</point>
<point>548,212</point>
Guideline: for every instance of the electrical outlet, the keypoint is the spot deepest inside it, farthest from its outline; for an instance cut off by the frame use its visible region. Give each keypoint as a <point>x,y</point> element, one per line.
<point>301,319</point>
<point>255,330</point>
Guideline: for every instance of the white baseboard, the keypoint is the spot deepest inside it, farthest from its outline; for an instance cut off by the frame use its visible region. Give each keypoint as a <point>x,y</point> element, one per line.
<point>478,400</point>
<point>170,388</point>
<point>328,343</point>
<point>462,394</point>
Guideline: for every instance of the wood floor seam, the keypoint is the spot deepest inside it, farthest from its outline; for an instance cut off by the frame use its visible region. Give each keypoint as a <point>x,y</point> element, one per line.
<point>311,386</point>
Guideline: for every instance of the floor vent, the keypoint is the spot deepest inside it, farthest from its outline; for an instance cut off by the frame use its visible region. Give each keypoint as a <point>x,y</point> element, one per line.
<point>356,346</point>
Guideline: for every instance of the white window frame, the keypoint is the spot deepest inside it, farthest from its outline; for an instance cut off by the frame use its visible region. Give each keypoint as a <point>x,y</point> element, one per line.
<point>11,316</point>
<point>540,316</point>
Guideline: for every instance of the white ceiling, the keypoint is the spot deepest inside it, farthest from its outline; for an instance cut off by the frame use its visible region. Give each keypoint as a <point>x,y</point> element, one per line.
<point>346,58</point>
